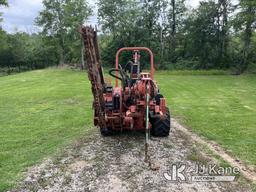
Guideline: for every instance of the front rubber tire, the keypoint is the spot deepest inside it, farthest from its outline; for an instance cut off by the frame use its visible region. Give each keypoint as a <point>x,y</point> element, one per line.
<point>161,127</point>
<point>106,132</point>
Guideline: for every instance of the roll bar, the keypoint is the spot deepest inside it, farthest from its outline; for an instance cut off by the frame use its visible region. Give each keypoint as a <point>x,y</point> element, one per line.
<point>152,69</point>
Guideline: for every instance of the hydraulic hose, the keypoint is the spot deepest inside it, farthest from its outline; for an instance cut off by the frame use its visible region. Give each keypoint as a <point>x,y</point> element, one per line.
<point>114,75</point>
<point>124,78</point>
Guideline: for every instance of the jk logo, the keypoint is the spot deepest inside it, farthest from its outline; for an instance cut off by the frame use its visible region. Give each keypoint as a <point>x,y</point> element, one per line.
<point>176,173</point>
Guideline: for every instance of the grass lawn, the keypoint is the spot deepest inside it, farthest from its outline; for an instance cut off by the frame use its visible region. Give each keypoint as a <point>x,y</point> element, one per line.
<point>219,107</point>
<point>42,111</point>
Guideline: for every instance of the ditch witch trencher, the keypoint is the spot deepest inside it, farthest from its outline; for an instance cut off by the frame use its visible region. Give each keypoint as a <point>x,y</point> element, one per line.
<point>136,103</point>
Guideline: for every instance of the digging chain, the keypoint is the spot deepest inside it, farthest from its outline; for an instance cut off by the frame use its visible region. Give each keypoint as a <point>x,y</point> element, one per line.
<point>95,72</point>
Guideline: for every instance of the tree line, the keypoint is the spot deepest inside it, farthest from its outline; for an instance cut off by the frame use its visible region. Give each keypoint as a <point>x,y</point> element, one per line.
<point>58,43</point>
<point>218,34</point>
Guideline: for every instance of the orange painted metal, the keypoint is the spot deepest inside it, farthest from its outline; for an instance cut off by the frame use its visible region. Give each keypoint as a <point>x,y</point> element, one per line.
<point>152,69</point>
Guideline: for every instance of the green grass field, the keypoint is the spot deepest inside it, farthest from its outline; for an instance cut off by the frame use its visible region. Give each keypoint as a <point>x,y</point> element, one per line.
<point>219,107</point>
<point>40,112</point>
<point>43,111</point>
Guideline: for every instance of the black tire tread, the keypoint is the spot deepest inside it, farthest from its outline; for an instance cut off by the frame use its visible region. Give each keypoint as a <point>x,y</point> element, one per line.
<point>161,127</point>
<point>106,132</point>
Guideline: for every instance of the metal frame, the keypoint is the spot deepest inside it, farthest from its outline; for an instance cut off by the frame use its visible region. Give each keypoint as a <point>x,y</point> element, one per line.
<point>152,69</point>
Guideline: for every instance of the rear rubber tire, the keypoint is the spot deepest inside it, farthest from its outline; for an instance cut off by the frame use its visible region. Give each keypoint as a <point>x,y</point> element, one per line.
<point>161,127</point>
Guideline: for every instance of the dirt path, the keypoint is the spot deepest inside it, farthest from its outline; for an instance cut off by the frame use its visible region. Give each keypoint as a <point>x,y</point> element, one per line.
<point>117,164</point>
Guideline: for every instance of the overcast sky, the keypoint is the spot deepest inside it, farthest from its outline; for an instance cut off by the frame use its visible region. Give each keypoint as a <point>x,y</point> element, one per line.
<point>20,14</point>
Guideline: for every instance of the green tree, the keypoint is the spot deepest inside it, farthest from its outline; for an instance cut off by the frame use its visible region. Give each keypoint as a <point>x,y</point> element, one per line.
<point>60,19</point>
<point>2,3</point>
<point>129,23</point>
<point>180,37</point>
<point>119,20</point>
<point>202,30</point>
<point>245,22</point>
<point>4,49</point>
<point>141,23</point>
<point>110,12</point>
<point>224,7</point>
<point>176,17</point>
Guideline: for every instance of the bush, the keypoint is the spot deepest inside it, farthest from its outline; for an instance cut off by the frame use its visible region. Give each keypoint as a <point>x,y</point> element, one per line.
<point>181,64</point>
<point>195,72</point>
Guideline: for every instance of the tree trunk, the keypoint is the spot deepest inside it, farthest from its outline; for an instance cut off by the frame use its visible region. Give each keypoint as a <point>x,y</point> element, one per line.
<point>247,40</point>
<point>173,33</point>
<point>82,56</point>
<point>62,51</point>
<point>219,38</point>
<point>225,27</point>
<point>222,32</point>
<point>61,63</point>
<point>246,49</point>
<point>162,44</point>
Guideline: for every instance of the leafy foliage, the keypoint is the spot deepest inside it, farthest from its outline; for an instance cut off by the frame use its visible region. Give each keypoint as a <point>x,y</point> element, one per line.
<point>218,34</point>
<point>180,37</point>
<point>21,52</point>
<point>245,23</point>
<point>3,3</point>
<point>60,20</point>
